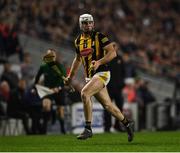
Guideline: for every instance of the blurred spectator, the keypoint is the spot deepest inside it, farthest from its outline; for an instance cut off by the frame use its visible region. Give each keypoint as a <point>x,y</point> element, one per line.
<point>35,110</point>
<point>130,69</point>
<point>129,91</point>
<point>9,76</point>
<point>16,105</point>
<point>28,69</point>
<point>145,97</point>
<point>143,92</point>
<point>4,97</point>
<point>4,91</point>
<point>9,41</point>
<point>2,43</point>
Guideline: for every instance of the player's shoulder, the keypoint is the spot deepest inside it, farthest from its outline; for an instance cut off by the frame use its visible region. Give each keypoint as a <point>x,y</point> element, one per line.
<point>101,34</point>
<point>77,38</point>
<point>103,38</point>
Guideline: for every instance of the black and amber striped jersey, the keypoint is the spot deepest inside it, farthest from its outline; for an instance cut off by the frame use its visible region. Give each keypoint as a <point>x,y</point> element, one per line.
<point>91,48</point>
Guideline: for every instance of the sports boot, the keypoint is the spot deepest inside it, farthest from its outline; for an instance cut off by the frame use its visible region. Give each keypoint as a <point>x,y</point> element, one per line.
<point>85,134</point>
<point>130,130</point>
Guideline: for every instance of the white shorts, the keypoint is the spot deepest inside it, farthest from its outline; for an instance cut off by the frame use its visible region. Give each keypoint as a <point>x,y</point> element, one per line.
<point>103,76</point>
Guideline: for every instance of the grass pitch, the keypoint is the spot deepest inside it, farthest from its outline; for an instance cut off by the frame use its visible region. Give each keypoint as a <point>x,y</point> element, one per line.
<point>108,142</point>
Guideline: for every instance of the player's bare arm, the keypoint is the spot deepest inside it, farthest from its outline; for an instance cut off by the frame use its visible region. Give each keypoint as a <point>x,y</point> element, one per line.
<point>74,68</point>
<point>110,54</point>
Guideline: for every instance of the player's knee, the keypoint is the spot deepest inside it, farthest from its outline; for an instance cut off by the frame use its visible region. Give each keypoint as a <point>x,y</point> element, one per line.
<point>46,105</point>
<point>60,111</point>
<point>84,95</point>
<point>107,107</point>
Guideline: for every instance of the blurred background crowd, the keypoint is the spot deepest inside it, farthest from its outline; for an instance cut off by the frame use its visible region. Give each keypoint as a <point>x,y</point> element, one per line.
<point>147,29</point>
<point>147,32</point>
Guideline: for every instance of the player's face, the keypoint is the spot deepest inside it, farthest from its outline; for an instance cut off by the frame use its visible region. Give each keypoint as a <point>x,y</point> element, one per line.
<point>87,26</point>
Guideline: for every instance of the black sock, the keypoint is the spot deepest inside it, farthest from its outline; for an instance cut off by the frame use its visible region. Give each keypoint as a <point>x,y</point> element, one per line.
<point>61,121</point>
<point>88,125</point>
<point>125,121</point>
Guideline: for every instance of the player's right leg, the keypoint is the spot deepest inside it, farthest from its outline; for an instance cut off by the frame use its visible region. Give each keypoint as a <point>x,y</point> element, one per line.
<point>91,88</point>
<point>60,102</point>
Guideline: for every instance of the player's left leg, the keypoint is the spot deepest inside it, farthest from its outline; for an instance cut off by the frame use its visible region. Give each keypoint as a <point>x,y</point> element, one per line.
<point>118,98</point>
<point>60,112</point>
<point>104,99</point>
<point>46,105</point>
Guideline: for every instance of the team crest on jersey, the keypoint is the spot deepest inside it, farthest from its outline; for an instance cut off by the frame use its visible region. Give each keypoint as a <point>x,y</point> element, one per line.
<point>86,51</point>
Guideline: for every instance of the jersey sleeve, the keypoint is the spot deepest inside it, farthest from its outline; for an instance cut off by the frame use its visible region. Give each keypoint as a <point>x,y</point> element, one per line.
<point>104,40</point>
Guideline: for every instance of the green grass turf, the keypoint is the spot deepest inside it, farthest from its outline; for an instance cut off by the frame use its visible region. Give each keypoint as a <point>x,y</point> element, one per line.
<point>115,142</point>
